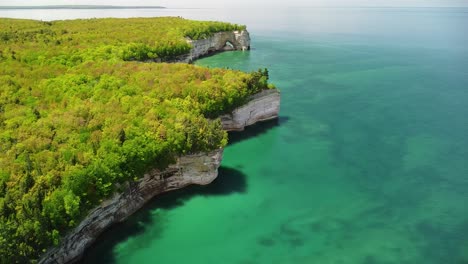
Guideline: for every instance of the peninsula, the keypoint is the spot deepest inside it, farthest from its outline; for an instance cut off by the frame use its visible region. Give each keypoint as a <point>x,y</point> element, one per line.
<point>95,122</point>
<point>81,7</point>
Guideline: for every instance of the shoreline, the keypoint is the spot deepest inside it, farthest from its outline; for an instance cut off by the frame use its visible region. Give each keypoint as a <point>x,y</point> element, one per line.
<point>198,168</point>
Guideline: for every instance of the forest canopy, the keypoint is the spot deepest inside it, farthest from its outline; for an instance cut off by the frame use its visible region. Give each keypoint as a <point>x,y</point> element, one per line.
<point>82,111</point>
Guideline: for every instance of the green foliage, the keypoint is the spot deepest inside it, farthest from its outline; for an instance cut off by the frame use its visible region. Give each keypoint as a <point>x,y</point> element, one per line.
<point>71,42</point>
<point>207,29</point>
<point>80,114</point>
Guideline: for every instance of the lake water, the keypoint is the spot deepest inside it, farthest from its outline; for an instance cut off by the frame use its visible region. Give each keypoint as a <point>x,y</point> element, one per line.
<point>368,162</point>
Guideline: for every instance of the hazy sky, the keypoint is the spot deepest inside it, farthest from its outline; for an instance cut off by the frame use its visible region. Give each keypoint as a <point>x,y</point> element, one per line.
<point>244,3</point>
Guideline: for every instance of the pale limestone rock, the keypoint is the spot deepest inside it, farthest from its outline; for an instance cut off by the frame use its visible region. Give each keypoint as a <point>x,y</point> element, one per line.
<point>243,38</point>
<point>261,107</point>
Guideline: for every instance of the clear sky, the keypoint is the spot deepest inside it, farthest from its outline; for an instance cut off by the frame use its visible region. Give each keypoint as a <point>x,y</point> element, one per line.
<point>244,3</point>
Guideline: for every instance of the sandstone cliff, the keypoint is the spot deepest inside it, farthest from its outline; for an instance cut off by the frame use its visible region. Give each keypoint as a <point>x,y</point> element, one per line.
<point>221,41</point>
<point>260,107</point>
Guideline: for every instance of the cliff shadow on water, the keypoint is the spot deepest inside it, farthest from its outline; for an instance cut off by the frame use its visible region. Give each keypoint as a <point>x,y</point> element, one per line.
<point>256,130</point>
<point>229,181</point>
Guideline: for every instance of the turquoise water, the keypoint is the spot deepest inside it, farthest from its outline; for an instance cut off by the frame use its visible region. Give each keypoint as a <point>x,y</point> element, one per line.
<point>368,162</point>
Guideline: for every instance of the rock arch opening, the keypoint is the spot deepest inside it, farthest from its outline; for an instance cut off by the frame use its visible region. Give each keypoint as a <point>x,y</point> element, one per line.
<point>229,46</point>
<point>211,50</point>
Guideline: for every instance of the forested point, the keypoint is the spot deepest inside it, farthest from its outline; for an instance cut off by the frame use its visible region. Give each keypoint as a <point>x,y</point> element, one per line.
<point>83,110</point>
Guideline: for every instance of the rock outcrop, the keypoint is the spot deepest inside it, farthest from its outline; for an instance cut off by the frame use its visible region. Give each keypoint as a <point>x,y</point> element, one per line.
<point>221,41</point>
<point>260,107</point>
<point>199,169</point>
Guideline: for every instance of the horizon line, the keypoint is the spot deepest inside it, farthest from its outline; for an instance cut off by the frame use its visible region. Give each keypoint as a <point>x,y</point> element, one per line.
<point>164,7</point>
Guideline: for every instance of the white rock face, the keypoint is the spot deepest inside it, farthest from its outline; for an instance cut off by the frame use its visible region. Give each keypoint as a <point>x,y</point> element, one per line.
<point>261,107</point>
<point>199,169</point>
<point>221,41</point>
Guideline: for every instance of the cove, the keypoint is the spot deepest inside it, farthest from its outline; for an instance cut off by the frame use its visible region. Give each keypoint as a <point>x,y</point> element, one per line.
<point>367,163</point>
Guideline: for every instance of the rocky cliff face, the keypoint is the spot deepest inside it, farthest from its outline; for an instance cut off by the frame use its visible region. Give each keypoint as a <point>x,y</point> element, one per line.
<point>199,169</point>
<point>261,107</point>
<point>221,41</point>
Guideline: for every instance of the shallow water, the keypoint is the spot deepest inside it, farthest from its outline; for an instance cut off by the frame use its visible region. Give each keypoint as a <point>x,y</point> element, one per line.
<point>368,162</point>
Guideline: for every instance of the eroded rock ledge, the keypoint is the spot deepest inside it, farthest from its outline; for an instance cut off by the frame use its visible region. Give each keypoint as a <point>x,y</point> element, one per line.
<point>199,169</point>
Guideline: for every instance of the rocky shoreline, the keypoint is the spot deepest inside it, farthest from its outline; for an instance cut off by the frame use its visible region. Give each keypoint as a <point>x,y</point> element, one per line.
<point>219,42</point>
<point>201,168</point>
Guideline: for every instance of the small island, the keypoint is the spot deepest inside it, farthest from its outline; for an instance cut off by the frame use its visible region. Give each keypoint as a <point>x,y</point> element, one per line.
<point>95,122</point>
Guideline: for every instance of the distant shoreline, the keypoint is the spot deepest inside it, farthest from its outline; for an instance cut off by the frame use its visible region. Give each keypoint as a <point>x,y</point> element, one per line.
<point>79,7</point>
